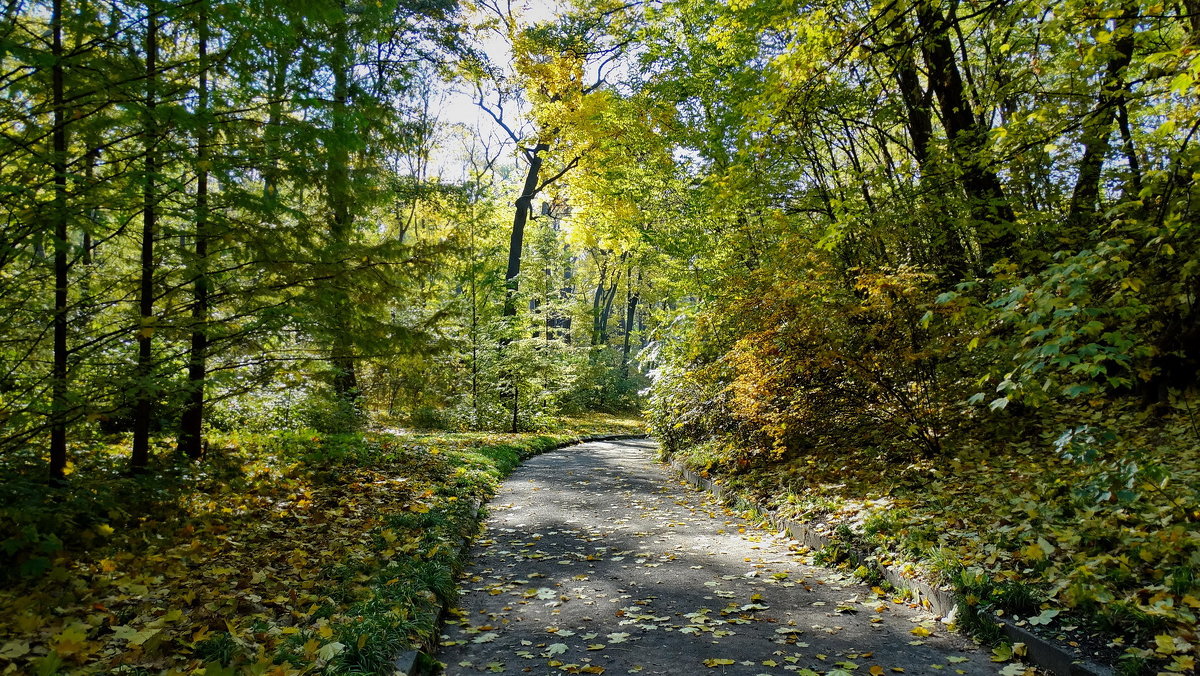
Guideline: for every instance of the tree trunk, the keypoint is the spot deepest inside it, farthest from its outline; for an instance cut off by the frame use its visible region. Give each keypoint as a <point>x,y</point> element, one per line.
<point>916,103</point>
<point>345,379</point>
<point>602,305</point>
<point>143,388</point>
<point>947,249</point>
<point>1134,186</point>
<point>59,404</point>
<point>1192,7</point>
<point>516,241</point>
<point>1085,198</point>
<point>474,329</point>
<point>191,421</point>
<point>631,303</point>
<point>967,139</point>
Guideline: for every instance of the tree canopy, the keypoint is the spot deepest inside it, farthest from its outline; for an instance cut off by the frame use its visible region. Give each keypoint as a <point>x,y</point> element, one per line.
<point>904,232</point>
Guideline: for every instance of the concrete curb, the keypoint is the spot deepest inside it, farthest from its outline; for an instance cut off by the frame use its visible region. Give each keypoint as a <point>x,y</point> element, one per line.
<point>409,663</point>
<point>1051,657</point>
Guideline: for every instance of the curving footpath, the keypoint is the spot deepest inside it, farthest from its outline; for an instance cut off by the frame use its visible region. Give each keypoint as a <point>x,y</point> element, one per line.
<point>596,561</point>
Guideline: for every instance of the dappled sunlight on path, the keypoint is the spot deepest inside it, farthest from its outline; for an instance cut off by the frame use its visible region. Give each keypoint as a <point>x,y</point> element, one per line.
<point>596,561</point>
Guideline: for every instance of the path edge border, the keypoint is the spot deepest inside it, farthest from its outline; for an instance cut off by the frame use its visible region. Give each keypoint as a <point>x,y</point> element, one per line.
<point>409,662</point>
<point>1041,652</point>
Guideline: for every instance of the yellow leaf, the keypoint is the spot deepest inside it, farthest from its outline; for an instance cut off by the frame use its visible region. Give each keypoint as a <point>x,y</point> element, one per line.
<point>921,631</point>
<point>1164,644</point>
<point>1033,552</point>
<point>876,670</point>
<point>1184,664</point>
<point>716,662</point>
<point>72,640</point>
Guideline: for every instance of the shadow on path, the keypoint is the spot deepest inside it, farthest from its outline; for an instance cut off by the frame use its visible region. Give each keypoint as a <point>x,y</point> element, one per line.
<point>596,561</point>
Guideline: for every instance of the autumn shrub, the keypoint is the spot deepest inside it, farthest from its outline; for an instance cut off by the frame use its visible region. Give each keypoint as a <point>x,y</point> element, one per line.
<point>805,368</point>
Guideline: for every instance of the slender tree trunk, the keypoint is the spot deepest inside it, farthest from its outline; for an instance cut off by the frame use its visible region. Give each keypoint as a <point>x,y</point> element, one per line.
<point>144,389</point>
<point>345,379</point>
<point>191,422</point>
<point>59,404</point>
<point>516,241</point>
<point>1085,198</point>
<point>602,305</point>
<point>597,297</point>
<point>916,103</point>
<point>968,140</point>
<point>606,313</point>
<point>1192,7</point>
<point>563,320</point>
<point>947,252</point>
<point>631,303</point>
<point>524,205</point>
<point>1134,187</point>
<point>474,330</point>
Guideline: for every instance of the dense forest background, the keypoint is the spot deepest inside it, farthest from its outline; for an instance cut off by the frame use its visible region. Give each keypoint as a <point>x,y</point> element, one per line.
<point>939,242</point>
<point>235,214</point>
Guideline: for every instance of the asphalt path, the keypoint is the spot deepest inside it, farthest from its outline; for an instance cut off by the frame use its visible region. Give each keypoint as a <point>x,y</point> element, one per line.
<point>596,559</point>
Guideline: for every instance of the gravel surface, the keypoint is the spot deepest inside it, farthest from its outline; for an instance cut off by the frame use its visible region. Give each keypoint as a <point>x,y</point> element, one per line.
<point>597,560</point>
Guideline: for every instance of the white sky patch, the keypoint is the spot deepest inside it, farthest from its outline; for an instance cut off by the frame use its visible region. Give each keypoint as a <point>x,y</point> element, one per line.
<point>458,107</point>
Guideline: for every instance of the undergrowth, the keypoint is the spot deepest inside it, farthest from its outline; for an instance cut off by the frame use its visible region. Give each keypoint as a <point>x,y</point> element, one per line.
<point>1086,516</point>
<point>278,553</point>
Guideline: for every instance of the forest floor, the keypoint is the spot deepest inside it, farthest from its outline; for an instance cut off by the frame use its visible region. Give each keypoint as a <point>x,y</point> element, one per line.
<point>280,553</point>
<point>1088,539</point>
<point>596,561</point>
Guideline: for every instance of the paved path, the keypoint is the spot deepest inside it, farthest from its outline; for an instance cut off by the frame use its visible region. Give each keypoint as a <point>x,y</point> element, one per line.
<point>596,560</point>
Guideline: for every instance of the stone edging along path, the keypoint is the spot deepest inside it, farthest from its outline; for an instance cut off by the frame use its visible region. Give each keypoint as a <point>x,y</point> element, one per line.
<point>1047,655</point>
<point>409,662</point>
